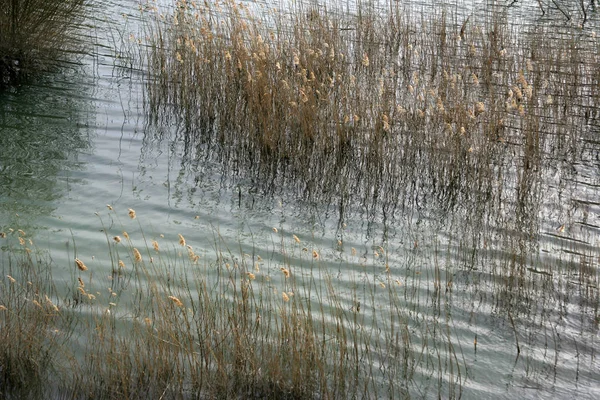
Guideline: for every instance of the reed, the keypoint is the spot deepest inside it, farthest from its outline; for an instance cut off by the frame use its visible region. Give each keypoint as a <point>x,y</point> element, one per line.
<point>35,35</point>
<point>369,107</point>
<point>198,320</point>
<point>233,326</point>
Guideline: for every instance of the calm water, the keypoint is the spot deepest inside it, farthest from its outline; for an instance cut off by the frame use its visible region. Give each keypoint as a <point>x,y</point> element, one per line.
<point>78,140</point>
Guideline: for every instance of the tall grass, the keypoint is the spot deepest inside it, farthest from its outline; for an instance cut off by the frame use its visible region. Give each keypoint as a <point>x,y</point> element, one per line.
<point>179,324</point>
<point>374,106</point>
<point>34,34</point>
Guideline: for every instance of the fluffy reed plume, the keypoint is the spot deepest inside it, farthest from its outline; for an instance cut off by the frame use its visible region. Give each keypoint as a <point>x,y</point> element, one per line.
<point>274,229</point>
<point>11,279</point>
<point>117,239</point>
<point>81,284</point>
<point>136,255</point>
<point>181,240</point>
<point>285,271</point>
<point>251,276</point>
<point>479,107</point>
<point>126,235</point>
<point>3,308</point>
<point>192,256</point>
<point>110,208</point>
<point>131,213</point>
<point>286,298</point>
<point>21,241</point>
<point>315,255</point>
<point>176,301</point>
<point>80,265</point>
<point>121,264</point>
<point>365,60</point>
<point>21,232</point>
<point>155,245</point>
<point>296,238</point>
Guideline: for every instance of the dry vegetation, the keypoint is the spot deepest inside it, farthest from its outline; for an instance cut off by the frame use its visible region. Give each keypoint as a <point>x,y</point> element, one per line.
<point>170,322</point>
<point>371,109</point>
<point>371,104</point>
<point>34,34</point>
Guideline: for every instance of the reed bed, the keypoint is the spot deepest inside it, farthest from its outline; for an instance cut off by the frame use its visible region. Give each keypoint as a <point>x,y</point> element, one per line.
<point>454,118</point>
<point>35,35</point>
<point>467,122</point>
<point>170,320</point>
<point>159,315</point>
<point>375,105</point>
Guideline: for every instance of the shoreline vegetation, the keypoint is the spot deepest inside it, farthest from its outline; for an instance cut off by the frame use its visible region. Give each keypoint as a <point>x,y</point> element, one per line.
<point>367,108</point>
<point>378,104</point>
<point>174,321</point>
<point>34,36</point>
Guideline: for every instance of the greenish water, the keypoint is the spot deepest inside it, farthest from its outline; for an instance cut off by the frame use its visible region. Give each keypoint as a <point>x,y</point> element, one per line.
<point>80,139</point>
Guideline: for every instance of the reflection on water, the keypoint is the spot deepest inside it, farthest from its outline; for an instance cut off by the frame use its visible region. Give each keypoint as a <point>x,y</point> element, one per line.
<point>43,132</point>
<point>496,214</point>
<point>489,238</point>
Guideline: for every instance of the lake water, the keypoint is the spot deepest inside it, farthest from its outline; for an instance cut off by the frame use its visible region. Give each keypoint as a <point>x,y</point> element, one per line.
<point>80,139</point>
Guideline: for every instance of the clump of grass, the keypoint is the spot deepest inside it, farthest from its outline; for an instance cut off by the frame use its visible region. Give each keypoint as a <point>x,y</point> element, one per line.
<point>370,107</point>
<point>34,331</point>
<point>34,34</point>
<point>171,326</point>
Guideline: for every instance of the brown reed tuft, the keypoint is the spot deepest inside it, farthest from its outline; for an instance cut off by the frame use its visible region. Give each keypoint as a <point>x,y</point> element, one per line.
<point>136,255</point>
<point>80,265</point>
<point>176,301</point>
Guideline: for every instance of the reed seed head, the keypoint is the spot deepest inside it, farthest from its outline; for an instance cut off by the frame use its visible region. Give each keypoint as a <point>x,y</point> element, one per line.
<point>315,255</point>
<point>365,60</point>
<point>11,279</point>
<point>136,255</point>
<point>121,264</point>
<point>286,272</point>
<point>131,213</point>
<point>117,239</point>
<point>80,265</point>
<point>181,240</point>
<point>176,301</point>
<point>155,245</point>
<point>251,276</point>
<point>479,107</point>
<point>2,235</point>
<point>81,284</point>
